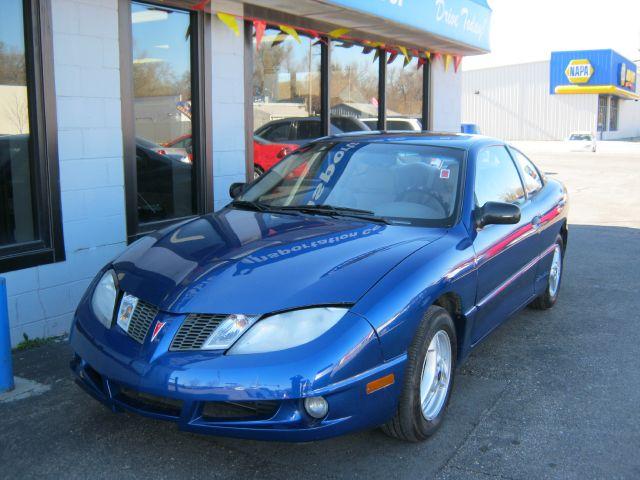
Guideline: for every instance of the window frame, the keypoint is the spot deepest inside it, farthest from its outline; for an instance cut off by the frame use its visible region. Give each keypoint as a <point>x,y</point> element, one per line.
<point>614,113</point>
<point>273,19</point>
<point>512,151</point>
<point>201,108</point>
<point>43,145</point>
<point>513,162</point>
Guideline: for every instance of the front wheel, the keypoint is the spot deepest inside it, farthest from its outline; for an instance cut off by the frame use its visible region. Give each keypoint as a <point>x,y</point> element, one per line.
<point>549,297</point>
<point>428,379</point>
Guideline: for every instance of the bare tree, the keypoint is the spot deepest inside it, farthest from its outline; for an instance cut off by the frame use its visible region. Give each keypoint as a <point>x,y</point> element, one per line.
<point>17,110</point>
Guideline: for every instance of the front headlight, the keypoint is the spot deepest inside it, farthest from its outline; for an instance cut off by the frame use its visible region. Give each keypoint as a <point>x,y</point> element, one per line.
<point>287,330</point>
<point>104,297</point>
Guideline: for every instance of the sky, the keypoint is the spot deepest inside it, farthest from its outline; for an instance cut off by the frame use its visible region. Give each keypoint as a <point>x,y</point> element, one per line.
<point>529,30</point>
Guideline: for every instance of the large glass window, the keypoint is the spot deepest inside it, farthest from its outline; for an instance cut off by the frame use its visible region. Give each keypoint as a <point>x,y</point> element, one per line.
<point>27,216</point>
<point>497,179</point>
<point>613,114</point>
<point>353,79</point>
<point>404,95</point>
<point>602,112</point>
<point>286,92</point>
<point>162,84</point>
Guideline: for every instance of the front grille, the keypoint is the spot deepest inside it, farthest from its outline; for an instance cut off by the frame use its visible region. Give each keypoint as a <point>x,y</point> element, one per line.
<point>195,330</point>
<point>257,410</point>
<point>150,403</point>
<point>141,320</point>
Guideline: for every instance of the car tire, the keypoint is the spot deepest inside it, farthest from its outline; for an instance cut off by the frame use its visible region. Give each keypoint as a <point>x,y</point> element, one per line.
<point>548,298</point>
<point>257,172</point>
<point>411,423</point>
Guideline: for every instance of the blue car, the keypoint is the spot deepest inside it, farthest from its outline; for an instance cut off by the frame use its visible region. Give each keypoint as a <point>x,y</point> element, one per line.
<point>336,293</point>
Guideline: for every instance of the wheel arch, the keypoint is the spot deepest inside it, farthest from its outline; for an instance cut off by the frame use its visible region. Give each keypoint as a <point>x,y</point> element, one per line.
<point>452,303</point>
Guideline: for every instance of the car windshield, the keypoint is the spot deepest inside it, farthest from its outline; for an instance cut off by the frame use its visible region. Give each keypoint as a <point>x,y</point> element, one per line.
<point>399,183</point>
<point>580,137</point>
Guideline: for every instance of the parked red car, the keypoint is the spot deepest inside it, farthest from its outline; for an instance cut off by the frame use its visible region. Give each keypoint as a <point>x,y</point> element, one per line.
<point>265,154</point>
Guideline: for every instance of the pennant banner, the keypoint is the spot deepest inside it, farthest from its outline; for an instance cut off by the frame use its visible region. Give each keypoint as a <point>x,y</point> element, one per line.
<point>447,62</point>
<point>200,5</point>
<point>260,27</point>
<point>229,21</point>
<point>290,31</point>
<point>457,60</point>
<point>338,32</point>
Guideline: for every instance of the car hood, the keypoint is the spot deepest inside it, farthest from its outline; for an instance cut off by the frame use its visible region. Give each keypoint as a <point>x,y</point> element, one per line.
<point>238,261</point>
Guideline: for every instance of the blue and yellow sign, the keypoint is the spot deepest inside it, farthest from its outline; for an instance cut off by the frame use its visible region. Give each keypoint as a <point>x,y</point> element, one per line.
<point>592,71</point>
<point>579,71</point>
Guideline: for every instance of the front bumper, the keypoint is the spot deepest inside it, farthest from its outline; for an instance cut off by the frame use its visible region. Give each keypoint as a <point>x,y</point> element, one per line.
<point>251,396</point>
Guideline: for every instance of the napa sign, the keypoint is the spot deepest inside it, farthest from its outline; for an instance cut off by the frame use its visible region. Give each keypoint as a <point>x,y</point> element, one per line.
<point>579,71</point>
<point>466,22</point>
<point>603,72</point>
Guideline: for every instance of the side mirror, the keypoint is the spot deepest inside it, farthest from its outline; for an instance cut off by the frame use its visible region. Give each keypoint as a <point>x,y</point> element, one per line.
<point>236,189</point>
<point>497,213</point>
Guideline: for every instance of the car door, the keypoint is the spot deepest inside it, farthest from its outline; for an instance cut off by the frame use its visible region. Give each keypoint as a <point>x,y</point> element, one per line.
<point>505,254</point>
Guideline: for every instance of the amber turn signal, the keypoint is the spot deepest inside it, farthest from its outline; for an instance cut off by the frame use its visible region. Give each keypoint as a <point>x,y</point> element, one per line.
<point>380,383</point>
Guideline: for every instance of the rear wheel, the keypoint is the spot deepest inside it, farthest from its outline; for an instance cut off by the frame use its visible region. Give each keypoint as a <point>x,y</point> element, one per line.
<point>428,379</point>
<point>550,295</point>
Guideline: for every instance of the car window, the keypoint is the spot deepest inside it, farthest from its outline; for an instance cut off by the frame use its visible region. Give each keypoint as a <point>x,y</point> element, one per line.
<point>580,137</point>
<point>530,174</point>
<point>399,125</point>
<point>497,179</point>
<point>276,133</point>
<point>309,130</point>
<point>413,184</point>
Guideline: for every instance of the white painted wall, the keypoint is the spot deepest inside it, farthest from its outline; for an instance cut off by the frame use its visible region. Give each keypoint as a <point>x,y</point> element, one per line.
<point>87,81</point>
<point>628,121</point>
<point>227,93</point>
<point>513,103</point>
<point>445,98</point>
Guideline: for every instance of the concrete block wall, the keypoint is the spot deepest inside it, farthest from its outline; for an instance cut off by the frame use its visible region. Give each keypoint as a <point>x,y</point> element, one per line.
<point>87,81</point>
<point>227,92</point>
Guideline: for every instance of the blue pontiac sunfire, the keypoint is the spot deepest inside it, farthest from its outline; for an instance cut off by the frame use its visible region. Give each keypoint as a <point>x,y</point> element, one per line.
<point>337,292</point>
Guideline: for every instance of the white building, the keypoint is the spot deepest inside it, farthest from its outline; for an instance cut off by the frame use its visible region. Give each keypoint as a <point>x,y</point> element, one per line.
<point>119,117</point>
<point>517,102</point>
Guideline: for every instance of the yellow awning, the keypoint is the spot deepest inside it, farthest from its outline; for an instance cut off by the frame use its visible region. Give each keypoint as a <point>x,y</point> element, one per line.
<point>597,89</point>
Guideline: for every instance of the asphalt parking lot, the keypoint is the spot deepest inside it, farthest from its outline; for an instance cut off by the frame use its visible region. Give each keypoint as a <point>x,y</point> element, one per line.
<point>551,394</point>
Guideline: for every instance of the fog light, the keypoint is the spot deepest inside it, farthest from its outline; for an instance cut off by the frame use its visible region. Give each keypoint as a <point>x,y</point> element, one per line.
<point>317,407</point>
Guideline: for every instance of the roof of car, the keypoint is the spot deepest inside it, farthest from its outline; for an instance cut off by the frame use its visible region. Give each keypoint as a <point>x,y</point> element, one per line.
<point>459,140</point>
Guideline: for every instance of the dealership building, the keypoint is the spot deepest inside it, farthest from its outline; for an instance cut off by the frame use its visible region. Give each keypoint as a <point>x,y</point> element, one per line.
<point>575,91</point>
<point>120,117</point>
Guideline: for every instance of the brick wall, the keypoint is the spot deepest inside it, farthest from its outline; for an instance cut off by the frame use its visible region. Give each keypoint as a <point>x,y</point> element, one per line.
<point>87,81</point>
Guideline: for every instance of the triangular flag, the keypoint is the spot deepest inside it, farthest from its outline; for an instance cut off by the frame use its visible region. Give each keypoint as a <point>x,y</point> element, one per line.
<point>436,56</point>
<point>421,62</point>
<point>260,27</point>
<point>229,21</point>
<point>338,32</point>
<point>428,54</point>
<point>367,50</point>
<point>407,59</point>
<point>457,60</point>
<point>281,37</point>
<point>290,31</point>
<point>376,55</point>
<point>392,57</point>
<point>447,61</point>
<point>200,5</point>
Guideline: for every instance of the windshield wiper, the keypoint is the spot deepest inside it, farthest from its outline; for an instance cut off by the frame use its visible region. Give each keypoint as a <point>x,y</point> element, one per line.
<point>337,211</point>
<point>257,206</point>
